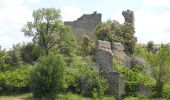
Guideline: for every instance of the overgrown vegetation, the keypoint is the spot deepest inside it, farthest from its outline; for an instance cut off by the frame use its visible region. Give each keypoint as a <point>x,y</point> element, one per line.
<point>54,66</point>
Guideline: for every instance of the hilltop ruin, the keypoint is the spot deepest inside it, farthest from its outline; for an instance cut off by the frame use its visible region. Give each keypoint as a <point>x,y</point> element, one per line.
<point>88,22</point>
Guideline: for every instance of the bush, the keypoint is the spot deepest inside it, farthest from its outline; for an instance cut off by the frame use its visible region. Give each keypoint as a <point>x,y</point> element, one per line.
<point>15,81</point>
<point>134,78</point>
<point>166,91</point>
<point>85,79</point>
<point>47,77</point>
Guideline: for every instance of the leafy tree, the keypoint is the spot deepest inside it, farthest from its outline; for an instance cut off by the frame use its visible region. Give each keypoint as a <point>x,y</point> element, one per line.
<point>150,46</point>
<point>83,78</point>
<point>46,28</point>
<point>87,47</point>
<point>3,66</point>
<point>13,56</point>
<point>123,33</point>
<point>30,53</point>
<point>47,77</point>
<point>15,81</point>
<point>103,32</point>
<point>134,78</point>
<point>160,67</point>
<point>67,44</point>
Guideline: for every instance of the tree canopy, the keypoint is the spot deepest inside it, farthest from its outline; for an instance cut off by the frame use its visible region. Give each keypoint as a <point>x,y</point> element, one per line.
<point>46,28</point>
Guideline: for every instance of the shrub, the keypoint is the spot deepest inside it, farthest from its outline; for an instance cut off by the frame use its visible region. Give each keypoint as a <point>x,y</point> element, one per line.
<point>15,81</point>
<point>85,79</point>
<point>166,91</point>
<point>134,78</point>
<point>47,77</point>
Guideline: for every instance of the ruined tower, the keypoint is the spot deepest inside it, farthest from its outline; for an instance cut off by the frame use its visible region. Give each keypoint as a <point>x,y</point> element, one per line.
<point>85,25</point>
<point>129,16</point>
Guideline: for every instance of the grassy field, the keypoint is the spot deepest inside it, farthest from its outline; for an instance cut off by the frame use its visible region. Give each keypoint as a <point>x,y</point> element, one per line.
<point>69,96</point>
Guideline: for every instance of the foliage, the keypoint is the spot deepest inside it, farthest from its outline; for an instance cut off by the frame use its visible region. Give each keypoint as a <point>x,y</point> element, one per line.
<point>30,53</point>
<point>166,91</point>
<point>18,80</point>
<point>67,43</point>
<point>140,51</point>
<point>103,32</point>
<point>160,67</point>
<point>134,78</point>
<point>13,57</point>
<point>123,33</point>
<point>85,79</point>
<point>47,77</point>
<point>150,46</point>
<point>46,28</point>
<point>3,66</point>
<point>87,47</point>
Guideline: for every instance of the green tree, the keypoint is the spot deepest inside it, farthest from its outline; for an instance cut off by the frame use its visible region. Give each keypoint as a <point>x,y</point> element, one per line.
<point>47,77</point>
<point>13,56</point>
<point>83,78</point>
<point>160,68</point>
<point>87,47</point>
<point>2,62</point>
<point>30,53</point>
<point>103,32</point>
<point>123,33</point>
<point>150,46</point>
<point>134,78</point>
<point>46,28</point>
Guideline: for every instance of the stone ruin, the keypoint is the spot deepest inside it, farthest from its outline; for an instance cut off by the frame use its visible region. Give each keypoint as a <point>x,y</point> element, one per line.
<point>88,22</point>
<point>129,16</point>
<point>85,25</point>
<point>106,51</point>
<point>104,59</point>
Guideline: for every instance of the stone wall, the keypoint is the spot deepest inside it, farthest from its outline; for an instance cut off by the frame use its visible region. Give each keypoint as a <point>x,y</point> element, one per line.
<point>85,24</point>
<point>104,59</point>
<point>104,56</point>
<point>116,84</point>
<point>120,55</point>
<point>129,16</point>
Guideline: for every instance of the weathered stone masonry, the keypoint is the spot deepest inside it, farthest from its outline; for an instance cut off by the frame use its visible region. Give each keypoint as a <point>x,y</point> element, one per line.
<point>85,25</point>
<point>104,59</point>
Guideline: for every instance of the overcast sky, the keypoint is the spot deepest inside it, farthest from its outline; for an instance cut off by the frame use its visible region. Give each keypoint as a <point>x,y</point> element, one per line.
<point>152,17</point>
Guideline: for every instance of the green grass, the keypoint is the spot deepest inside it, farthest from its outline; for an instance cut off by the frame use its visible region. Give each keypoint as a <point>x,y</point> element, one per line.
<point>68,96</point>
<point>27,96</point>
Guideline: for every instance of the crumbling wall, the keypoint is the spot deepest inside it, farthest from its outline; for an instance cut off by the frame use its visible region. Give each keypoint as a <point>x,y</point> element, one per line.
<point>104,59</point>
<point>129,16</point>
<point>85,24</point>
<point>120,55</point>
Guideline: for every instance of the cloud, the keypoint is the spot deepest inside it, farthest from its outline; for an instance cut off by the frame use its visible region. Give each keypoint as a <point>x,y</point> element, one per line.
<point>70,13</point>
<point>149,25</point>
<point>118,16</point>
<point>162,3</point>
<point>152,26</point>
<point>13,15</point>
